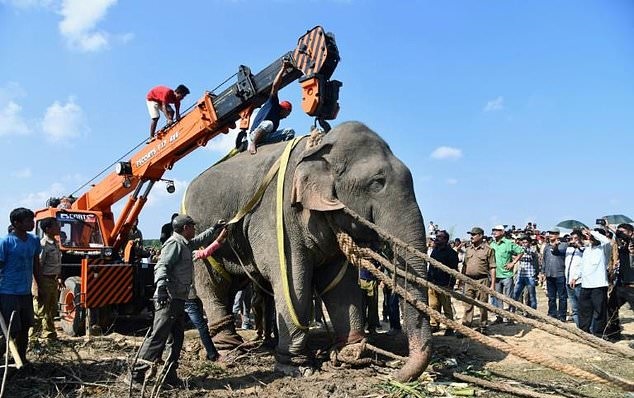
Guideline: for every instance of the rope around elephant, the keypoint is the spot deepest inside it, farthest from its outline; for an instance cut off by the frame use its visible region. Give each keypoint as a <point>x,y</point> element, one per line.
<point>356,256</point>
<point>586,338</point>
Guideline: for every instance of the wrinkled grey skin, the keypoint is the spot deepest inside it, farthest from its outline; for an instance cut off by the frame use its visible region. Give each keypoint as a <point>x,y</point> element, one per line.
<point>351,166</point>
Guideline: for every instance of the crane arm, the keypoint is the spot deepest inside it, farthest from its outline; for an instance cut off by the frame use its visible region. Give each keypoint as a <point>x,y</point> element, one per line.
<point>314,60</point>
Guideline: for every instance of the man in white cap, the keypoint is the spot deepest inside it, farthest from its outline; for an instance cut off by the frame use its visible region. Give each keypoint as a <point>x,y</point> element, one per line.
<point>507,254</point>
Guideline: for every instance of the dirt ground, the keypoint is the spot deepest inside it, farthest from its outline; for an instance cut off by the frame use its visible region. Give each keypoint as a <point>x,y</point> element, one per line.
<point>74,367</point>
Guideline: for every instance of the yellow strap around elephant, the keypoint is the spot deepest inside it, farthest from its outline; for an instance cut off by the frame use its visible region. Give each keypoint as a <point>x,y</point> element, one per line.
<point>280,233</point>
<point>218,268</point>
<point>337,279</point>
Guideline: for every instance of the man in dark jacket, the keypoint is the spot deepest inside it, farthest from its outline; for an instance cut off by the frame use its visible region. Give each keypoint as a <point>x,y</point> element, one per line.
<point>447,256</point>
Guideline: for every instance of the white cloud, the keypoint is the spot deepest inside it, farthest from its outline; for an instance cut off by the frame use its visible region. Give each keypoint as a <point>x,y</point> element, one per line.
<point>495,105</point>
<point>27,3</point>
<point>78,26</point>
<point>223,143</point>
<point>64,121</point>
<point>11,120</point>
<point>446,152</point>
<point>452,181</point>
<point>22,173</point>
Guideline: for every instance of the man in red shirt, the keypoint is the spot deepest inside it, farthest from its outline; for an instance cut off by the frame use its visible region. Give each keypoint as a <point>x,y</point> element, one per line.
<point>159,98</point>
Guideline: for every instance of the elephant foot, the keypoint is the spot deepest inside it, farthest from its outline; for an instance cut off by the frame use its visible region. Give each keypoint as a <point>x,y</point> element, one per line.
<point>293,370</point>
<point>226,340</point>
<point>355,336</point>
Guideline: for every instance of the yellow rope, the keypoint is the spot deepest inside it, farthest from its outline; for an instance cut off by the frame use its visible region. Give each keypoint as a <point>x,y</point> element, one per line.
<point>337,278</point>
<point>279,218</point>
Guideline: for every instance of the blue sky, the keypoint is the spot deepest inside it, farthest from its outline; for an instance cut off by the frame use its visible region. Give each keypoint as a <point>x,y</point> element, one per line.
<point>505,111</point>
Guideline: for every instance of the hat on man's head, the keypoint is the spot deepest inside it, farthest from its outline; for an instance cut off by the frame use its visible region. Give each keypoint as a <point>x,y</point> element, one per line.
<point>498,227</point>
<point>181,220</point>
<point>554,231</point>
<point>476,231</point>
<point>287,106</point>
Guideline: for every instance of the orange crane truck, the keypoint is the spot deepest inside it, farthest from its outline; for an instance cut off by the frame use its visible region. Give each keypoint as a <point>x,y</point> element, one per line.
<point>101,271</point>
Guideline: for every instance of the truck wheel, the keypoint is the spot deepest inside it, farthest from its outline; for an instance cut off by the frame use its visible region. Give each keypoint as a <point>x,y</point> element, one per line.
<point>71,314</point>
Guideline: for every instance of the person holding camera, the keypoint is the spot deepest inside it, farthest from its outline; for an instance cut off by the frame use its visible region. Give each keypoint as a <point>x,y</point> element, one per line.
<point>553,269</point>
<point>623,279</point>
<point>574,253</point>
<point>173,276</point>
<point>594,281</point>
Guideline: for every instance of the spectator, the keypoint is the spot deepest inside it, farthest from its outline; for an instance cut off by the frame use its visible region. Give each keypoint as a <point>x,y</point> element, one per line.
<point>554,268</point>
<point>242,307</point>
<point>173,279</point>
<point>370,302</point>
<point>193,305</point>
<point>594,282</point>
<point>527,273</point>
<point>623,291</point>
<point>19,265</point>
<point>50,280</point>
<point>574,253</point>
<point>432,228</point>
<point>479,264</point>
<point>447,256</point>
<point>507,254</point>
<point>167,229</point>
<point>159,98</point>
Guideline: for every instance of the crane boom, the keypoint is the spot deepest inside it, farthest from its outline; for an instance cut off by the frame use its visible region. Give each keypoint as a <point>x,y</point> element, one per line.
<point>313,60</point>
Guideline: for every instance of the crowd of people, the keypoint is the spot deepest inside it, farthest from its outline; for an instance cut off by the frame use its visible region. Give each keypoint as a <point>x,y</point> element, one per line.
<point>588,274</point>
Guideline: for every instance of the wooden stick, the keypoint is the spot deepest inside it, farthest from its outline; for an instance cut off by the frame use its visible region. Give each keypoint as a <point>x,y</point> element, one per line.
<point>12,347</point>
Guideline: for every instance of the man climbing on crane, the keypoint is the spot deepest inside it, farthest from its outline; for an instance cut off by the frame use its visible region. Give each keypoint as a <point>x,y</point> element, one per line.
<point>268,118</point>
<point>159,98</point>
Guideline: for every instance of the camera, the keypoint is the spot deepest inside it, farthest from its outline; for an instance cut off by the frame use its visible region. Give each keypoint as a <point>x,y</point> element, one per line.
<point>600,221</point>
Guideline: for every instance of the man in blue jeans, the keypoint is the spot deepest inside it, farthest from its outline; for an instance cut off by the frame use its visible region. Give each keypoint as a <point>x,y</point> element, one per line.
<point>507,254</point>
<point>527,272</point>
<point>574,254</point>
<point>553,268</point>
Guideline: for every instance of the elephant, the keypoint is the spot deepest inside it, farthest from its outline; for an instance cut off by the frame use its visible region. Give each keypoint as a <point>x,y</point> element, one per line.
<point>350,166</point>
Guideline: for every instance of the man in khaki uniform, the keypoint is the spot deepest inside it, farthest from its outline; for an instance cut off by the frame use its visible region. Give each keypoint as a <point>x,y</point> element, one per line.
<point>479,264</point>
<point>49,279</point>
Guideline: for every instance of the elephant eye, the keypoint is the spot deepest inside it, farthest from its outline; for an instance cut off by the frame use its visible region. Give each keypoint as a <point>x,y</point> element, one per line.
<point>377,184</point>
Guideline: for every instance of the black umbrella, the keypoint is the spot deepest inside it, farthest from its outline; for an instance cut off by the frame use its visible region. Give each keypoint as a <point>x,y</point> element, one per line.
<point>572,224</point>
<point>618,219</point>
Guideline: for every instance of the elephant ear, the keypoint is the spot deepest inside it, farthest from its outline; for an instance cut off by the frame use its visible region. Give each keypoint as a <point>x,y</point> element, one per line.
<point>314,181</point>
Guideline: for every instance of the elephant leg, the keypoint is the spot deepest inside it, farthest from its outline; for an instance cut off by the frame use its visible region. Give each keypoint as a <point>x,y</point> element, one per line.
<point>292,341</point>
<point>343,303</point>
<point>215,294</point>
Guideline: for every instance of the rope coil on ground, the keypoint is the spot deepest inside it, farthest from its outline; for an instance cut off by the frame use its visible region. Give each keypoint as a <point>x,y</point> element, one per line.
<point>587,338</point>
<point>356,257</point>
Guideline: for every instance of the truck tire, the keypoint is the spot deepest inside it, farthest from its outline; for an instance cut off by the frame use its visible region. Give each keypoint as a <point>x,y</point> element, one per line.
<point>72,315</point>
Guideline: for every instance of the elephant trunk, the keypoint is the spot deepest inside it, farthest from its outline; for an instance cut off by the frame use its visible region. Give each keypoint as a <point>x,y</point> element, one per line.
<point>411,231</point>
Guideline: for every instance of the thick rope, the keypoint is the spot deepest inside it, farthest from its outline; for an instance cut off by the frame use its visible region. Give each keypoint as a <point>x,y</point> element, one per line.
<point>588,338</point>
<point>354,255</point>
<point>503,387</point>
<point>459,296</point>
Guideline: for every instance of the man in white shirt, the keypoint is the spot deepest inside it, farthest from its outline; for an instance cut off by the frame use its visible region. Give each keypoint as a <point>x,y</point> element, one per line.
<point>594,281</point>
<point>574,253</point>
